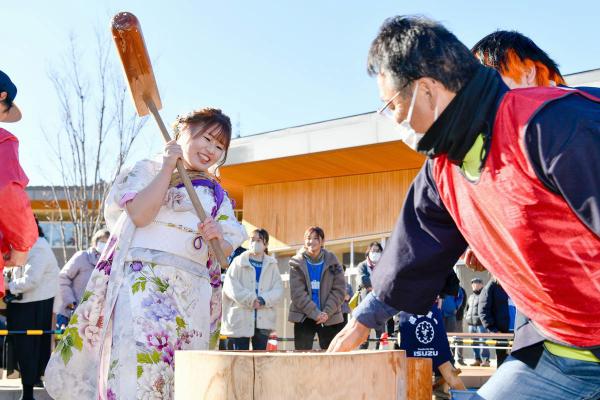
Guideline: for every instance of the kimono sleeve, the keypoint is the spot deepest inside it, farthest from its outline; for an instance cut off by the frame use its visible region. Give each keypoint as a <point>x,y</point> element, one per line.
<point>233,232</point>
<point>128,183</point>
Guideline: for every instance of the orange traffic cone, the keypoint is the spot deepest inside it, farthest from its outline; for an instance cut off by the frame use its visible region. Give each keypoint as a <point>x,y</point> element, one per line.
<point>272,342</point>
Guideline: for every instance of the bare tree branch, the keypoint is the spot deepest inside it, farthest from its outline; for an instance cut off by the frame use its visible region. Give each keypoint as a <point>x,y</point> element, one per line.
<point>95,117</point>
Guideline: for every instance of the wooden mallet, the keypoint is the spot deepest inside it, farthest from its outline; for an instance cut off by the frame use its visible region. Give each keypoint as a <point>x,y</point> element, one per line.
<point>129,40</point>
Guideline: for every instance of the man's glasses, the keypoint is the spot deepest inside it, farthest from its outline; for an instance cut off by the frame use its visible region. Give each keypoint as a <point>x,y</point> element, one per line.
<point>386,110</point>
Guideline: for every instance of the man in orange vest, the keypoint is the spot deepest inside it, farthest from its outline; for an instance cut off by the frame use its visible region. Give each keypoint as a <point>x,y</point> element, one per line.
<point>521,63</point>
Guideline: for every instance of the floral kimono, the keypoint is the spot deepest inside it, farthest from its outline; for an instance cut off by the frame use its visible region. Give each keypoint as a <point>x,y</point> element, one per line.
<point>155,290</point>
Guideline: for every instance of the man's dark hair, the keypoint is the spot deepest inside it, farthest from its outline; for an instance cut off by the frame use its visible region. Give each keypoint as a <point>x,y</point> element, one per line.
<point>412,47</point>
<point>494,51</point>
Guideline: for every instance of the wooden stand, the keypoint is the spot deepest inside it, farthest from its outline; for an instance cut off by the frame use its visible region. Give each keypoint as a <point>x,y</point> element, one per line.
<point>419,378</point>
<point>222,375</point>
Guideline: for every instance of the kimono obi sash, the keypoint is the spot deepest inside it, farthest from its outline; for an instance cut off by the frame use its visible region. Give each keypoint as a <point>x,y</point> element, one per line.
<point>174,232</point>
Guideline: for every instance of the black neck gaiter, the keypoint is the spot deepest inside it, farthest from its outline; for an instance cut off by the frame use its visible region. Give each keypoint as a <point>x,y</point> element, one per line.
<point>467,115</point>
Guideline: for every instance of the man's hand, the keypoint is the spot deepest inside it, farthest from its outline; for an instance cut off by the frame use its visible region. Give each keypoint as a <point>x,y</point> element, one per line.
<point>349,338</point>
<point>472,262</point>
<point>16,258</point>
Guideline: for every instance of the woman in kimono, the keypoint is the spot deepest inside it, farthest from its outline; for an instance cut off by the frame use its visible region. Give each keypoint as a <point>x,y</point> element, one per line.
<point>156,288</point>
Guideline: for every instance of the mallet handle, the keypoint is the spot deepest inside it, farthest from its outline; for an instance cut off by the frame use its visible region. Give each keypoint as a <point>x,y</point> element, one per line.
<point>213,244</point>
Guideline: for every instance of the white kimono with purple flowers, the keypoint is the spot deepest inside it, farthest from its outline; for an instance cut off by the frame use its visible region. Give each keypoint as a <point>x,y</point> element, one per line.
<point>155,290</point>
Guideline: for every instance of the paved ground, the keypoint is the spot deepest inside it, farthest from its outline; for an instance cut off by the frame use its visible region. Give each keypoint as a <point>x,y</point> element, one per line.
<point>10,389</point>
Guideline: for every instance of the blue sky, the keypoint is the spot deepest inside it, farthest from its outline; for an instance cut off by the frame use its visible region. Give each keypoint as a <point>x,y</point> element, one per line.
<point>268,64</point>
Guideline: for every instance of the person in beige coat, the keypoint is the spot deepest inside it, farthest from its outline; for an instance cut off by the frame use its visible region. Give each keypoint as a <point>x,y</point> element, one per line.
<point>252,290</point>
<point>318,288</point>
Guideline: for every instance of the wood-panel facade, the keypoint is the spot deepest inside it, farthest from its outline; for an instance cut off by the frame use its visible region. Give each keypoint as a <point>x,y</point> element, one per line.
<point>375,158</point>
<point>345,207</point>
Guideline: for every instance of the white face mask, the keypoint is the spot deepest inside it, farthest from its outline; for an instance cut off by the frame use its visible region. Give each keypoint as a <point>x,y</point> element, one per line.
<point>374,256</point>
<point>100,246</point>
<point>407,134</point>
<point>257,247</point>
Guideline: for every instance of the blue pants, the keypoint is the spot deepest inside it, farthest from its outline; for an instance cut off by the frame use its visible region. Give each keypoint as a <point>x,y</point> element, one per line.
<point>553,378</point>
<point>479,354</point>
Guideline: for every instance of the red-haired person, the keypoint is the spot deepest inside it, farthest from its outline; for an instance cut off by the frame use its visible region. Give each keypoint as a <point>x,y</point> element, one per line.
<point>520,62</point>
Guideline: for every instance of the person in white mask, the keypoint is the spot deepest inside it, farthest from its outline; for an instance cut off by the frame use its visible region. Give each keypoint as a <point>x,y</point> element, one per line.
<point>408,135</point>
<point>252,290</point>
<point>508,175</point>
<point>365,269</point>
<point>74,276</point>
